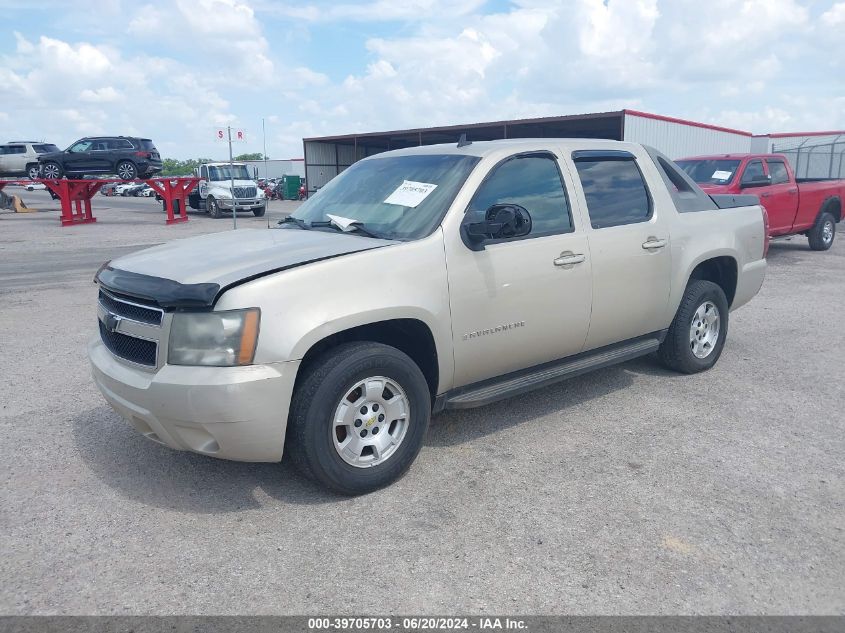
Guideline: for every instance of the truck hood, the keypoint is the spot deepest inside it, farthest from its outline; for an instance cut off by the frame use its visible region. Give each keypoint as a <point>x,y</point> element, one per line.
<point>193,272</point>
<point>225,184</point>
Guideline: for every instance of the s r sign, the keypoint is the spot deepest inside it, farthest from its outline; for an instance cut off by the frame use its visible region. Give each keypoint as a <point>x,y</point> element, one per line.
<point>222,134</point>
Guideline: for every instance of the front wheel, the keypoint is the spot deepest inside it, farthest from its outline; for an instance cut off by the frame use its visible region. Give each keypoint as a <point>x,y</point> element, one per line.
<point>33,171</point>
<point>51,170</point>
<point>259,212</point>
<point>127,170</point>
<point>213,207</point>
<point>358,417</point>
<point>823,231</point>
<point>697,335</point>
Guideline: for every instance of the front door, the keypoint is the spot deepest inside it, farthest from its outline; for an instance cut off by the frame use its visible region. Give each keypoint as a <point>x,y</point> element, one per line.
<point>78,159</point>
<point>523,301</point>
<point>780,198</point>
<point>630,245</point>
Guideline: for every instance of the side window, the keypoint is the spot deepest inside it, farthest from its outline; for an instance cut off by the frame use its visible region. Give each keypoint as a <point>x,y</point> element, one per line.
<point>17,149</point>
<point>615,191</point>
<point>533,182</point>
<point>4,149</point>
<point>81,146</point>
<point>777,170</point>
<point>753,172</point>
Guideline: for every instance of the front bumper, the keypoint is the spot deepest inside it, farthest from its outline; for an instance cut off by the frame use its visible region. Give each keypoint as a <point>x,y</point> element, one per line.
<point>241,204</point>
<point>237,413</point>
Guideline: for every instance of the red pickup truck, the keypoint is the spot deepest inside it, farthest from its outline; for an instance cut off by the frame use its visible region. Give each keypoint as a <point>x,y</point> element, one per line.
<point>809,206</point>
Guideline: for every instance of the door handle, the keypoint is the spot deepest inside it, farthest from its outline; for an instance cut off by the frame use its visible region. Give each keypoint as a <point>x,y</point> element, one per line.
<point>653,244</point>
<point>793,191</point>
<point>765,195</point>
<point>568,258</point>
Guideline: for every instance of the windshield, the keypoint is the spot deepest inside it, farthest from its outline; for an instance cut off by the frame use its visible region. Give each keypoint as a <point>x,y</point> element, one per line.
<point>398,197</point>
<point>710,171</point>
<point>227,172</point>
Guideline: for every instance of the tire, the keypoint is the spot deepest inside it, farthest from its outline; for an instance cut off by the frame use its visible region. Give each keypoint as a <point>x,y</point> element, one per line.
<point>332,382</point>
<point>685,338</point>
<point>33,171</point>
<point>212,207</point>
<point>52,170</point>
<point>126,170</point>
<point>259,213</point>
<point>822,234</point>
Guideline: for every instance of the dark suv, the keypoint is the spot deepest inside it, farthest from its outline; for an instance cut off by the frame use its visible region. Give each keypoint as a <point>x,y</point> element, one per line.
<point>126,156</point>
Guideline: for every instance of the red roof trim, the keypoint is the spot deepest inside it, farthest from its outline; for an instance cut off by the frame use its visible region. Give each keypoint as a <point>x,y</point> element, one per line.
<point>669,119</point>
<point>786,134</point>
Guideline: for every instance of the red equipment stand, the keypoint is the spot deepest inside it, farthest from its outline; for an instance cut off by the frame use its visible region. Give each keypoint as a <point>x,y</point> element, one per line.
<point>171,190</point>
<point>75,193</point>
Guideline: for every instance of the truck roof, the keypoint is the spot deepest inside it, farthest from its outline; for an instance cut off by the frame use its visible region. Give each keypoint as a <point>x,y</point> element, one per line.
<point>483,149</point>
<point>738,156</point>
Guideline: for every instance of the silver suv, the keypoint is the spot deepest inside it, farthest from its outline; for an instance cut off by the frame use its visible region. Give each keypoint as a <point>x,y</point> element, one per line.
<point>20,158</point>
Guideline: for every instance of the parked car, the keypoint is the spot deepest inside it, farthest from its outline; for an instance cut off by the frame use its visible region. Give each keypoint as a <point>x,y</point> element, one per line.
<point>147,192</point>
<point>108,188</point>
<point>35,186</point>
<point>20,158</point>
<point>126,156</point>
<point>133,189</point>
<point>418,280</point>
<point>809,206</point>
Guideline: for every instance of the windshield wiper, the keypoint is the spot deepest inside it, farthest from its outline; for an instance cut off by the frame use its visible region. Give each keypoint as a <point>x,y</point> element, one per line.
<point>346,225</point>
<point>292,220</point>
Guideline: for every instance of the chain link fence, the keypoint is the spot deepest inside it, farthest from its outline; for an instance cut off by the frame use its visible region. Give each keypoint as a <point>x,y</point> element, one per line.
<point>813,159</point>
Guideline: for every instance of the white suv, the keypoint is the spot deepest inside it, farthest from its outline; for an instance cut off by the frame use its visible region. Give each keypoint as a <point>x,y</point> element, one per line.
<point>20,158</point>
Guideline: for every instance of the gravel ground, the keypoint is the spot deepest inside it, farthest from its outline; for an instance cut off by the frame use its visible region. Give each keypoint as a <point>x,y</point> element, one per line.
<point>631,490</point>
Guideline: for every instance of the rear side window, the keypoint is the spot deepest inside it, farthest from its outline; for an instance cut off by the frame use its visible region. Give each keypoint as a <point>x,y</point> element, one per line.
<point>533,182</point>
<point>120,143</point>
<point>44,148</point>
<point>777,170</point>
<point>615,191</point>
<point>15,149</point>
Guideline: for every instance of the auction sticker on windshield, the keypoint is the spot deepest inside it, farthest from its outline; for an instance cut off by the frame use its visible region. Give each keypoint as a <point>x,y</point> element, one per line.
<point>722,175</point>
<point>410,193</point>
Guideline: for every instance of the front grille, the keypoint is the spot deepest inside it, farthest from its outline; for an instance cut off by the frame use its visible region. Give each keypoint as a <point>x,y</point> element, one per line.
<point>129,348</point>
<point>131,310</point>
<point>245,192</point>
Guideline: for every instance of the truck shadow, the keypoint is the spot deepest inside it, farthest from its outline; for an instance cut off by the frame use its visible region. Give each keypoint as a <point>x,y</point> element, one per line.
<point>459,426</point>
<point>155,475</point>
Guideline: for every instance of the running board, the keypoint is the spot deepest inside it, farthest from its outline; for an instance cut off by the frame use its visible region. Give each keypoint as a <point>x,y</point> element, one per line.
<point>517,383</point>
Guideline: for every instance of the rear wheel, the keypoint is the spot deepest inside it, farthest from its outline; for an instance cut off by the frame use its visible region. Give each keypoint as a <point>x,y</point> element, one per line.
<point>32,171</point>
<point>127,170</point>
<point>213,207</point>
<point>823,232</point>
<point>697,335</point>
<point>358,417</point>
<point>52,170</point>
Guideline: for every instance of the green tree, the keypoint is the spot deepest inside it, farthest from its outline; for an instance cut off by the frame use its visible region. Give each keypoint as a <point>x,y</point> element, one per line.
<point>254,156</point>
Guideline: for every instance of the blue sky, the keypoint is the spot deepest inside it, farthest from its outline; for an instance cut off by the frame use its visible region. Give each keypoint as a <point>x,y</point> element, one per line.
<point>172,70</point>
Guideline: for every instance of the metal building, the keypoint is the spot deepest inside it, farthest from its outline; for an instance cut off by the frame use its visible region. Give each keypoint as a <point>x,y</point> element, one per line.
<point>327,156</point>
<point>276,168</point>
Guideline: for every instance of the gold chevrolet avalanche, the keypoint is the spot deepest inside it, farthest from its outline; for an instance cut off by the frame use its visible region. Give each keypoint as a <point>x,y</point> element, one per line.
<point>418,280</point>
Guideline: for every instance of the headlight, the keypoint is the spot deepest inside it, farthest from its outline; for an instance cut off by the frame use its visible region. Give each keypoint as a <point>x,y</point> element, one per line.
<point>219,339</point>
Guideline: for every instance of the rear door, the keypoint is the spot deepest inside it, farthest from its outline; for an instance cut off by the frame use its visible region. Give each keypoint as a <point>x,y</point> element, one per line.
<point>780,198</point>
<point>629,246</point>
<point>15,158</point>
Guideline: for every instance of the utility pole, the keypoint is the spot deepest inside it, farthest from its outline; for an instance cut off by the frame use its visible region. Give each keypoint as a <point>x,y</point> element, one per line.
<point>232,180</point>
<point>264,134</point>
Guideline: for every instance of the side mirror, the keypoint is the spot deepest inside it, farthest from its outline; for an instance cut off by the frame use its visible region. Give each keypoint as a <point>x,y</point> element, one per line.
<point>501,222</point>
<point>758,181</point>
